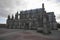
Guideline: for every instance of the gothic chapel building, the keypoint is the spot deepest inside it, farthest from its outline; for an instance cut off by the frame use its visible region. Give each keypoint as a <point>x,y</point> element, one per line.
<point>36,19</point>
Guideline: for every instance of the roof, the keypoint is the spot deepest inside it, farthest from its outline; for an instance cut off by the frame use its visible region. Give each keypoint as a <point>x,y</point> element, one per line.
<point>31,11</point>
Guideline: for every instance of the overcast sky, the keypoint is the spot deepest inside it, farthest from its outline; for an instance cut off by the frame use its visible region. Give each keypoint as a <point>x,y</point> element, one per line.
<point>9,7</point>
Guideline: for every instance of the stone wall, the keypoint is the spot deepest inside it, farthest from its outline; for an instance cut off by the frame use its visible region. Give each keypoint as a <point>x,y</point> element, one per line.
<point>3,25</point>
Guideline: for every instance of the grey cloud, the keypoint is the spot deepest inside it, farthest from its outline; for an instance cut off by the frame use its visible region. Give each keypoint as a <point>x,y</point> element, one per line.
<point>9,6</point>
<point>6,3</point>
<point>4,6</point>
<point>58,1</point>
<point>58,17</point>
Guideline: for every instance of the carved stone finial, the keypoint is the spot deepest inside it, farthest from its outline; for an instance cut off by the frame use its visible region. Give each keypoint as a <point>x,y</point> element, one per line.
<point>16,16</point>
<point>17,13</point>
<point>12,17</point>
<point>8,17</point>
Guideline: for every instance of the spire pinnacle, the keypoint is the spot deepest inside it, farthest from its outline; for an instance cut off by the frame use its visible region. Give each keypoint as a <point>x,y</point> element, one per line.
<point>12,17</point>
<point>8,17</point>
<point>43,6</point>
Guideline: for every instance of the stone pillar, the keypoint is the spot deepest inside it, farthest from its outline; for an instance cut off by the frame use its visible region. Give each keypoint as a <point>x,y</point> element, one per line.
<point>55,25</point>
<point>45,30</point>
<point>19,25</point>
<point>30,25</point>
<point>45,25</point>
<point>50,26</point>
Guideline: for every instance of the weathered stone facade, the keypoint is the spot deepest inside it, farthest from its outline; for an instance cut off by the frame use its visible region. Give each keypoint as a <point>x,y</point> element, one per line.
<point>37,19</point>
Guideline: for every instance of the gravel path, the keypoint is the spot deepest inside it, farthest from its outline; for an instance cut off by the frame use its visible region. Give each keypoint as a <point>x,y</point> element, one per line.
<point>18,34</point>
